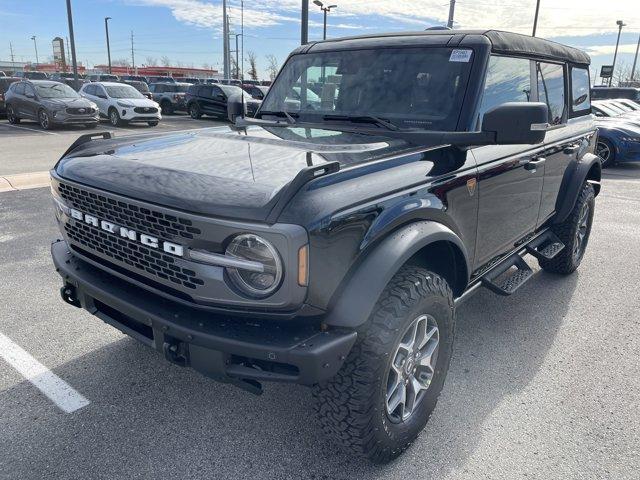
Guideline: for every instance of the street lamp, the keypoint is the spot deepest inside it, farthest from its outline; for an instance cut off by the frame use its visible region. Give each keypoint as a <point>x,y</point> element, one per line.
<point>620,24</point>
<point>36,47</point>
<point>236,52</point>
<point>106,28</point>
<point>325,10</point>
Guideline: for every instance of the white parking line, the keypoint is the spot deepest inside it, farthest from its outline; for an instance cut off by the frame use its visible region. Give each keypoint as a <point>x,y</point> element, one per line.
<point>56,389</point>
<point>29,129</point>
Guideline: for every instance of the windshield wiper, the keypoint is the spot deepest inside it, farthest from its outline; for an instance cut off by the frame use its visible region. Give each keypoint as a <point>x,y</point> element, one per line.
<point>362,119</point>
<point>290,119</point>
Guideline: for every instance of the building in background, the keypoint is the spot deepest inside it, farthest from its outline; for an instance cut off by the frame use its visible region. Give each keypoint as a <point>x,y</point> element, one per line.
<point>158,71</point>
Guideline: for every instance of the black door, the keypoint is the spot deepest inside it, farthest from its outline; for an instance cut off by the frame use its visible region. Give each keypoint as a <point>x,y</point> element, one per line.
<point>510,177</point>
<point>206,101</point>
<point>219,101</point>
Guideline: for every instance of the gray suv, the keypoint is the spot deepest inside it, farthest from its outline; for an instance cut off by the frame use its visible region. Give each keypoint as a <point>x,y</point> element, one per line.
<point>49,103</point>
<point>170,96</point>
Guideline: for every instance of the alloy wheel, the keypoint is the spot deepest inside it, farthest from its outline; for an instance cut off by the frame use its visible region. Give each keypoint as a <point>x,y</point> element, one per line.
<point>44,119</point>
<point>412,368</point>
<point>113,117</point>
<point>11,116</point>
<point>581,232</point>
<point>603,151</point>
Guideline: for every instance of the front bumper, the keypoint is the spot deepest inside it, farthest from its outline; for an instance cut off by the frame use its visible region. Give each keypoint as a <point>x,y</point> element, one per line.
<point>64,118</point>
<point>130,115</point>
<point>232,350</point>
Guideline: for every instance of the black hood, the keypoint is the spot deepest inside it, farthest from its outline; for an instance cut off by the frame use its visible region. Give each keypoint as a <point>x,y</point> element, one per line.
<point>218,171</point>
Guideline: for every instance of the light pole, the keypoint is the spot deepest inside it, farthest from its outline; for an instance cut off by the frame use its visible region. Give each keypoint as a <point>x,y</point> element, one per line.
<point>36,47</point>
<point>106,29</point>
<point>73,43</point>
<point>325,10</point>
<point>304,23</point>
<point>635,60</point>
<point>236,52</point>
<point>452,9</point>
<point>535,18</point>
<point>620,24</point>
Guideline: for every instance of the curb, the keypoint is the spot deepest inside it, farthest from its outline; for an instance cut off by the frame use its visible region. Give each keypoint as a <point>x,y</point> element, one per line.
<point>24,181</point>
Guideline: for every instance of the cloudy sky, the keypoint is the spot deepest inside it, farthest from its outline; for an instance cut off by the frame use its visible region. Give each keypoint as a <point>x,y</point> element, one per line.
<point>188,31</point>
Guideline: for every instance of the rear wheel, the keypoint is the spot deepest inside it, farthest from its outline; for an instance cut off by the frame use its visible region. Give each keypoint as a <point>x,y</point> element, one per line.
<point>44,120</point>
<point>12,116</point>
<point>153,123</point>
<point>194,111</point>
<point>606,151</point>
<point>381,399</point>
<point>574,233</point>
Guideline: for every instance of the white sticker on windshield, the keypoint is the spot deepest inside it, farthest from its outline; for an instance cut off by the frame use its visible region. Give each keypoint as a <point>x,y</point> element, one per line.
<point>458,55</point>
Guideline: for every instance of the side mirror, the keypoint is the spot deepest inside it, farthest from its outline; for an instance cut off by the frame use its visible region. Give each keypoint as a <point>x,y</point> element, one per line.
<point>29,95</point>
<point>235,108</point>
<point>516,123</point>
<point>100,95</point>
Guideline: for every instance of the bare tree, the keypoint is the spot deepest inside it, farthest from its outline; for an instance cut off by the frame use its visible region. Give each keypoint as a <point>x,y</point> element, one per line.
<point>234,67</point>
<point>206,66</point>
<point>166,61</point>
<point>151,62</point>
<point>121,62</point>
<point>253,66</point>
<point>273,66</point>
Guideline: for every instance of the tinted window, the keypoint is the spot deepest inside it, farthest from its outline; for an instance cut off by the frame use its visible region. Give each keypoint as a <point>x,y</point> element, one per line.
<point>160,88</point>
<point>412,87</point>
<point>580,100</point>
<point>19,88</point>
<point>206,92</point>
<point>123,91</point>
<point>550,79</point>
<point>508,80</point>
<point>28,89</point>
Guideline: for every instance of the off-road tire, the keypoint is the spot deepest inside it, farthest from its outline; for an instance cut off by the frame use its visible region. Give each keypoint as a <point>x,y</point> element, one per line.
<point>567,261</point>
<point>12,116</point>
<point>351,407</point>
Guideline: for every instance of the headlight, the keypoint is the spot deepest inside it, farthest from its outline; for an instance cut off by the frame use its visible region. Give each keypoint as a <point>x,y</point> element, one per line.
<point>124,104</point>
<point>252,248</point>
<point>94,105</point>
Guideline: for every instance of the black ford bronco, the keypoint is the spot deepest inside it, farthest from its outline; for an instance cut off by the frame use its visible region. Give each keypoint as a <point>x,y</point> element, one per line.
<point>328,240</point>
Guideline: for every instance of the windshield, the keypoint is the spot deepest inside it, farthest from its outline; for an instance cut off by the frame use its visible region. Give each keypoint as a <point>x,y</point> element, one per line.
<point>123,91</point>
<point>409,87</point>
<point>56,90</point>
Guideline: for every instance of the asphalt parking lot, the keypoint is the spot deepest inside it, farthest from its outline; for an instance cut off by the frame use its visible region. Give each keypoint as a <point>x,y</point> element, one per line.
<point>543,384</point>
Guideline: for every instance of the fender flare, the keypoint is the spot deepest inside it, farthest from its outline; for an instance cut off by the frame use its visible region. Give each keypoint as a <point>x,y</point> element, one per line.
<point>360,294</point>
<point>572,183</point>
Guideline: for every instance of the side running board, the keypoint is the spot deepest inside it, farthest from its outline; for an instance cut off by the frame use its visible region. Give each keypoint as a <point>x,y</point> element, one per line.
<point>513,272</point>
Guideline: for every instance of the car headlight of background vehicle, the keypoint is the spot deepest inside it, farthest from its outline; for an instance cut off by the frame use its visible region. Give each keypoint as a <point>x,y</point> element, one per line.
<point>124,104</point>
<point>255,282</point>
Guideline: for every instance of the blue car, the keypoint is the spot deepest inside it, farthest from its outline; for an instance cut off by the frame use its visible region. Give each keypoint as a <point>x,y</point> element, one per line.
<point>618,141</point>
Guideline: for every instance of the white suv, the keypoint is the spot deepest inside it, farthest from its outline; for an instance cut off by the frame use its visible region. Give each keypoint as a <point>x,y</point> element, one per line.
<point>121,103</point>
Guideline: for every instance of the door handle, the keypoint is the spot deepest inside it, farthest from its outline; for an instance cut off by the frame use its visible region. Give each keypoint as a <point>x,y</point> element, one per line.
<point>535,163</point>
<point>569,149</point>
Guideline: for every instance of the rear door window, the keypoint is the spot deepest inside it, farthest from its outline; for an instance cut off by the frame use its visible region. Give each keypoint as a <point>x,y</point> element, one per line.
<point>550,83</point>
<point>580,101</point>
<point>19,88</point>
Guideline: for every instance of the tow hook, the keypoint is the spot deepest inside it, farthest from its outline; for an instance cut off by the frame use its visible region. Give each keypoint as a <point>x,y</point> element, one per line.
<point>176,352</point>
<point>68,294</point>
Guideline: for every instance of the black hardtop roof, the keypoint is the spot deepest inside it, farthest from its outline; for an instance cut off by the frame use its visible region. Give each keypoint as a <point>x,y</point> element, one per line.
<point>507,43</point>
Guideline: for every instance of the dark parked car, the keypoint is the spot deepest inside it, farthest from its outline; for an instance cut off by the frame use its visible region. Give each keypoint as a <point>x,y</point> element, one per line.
<point>31,75</point>
<point>212,100</point>
<point>133,78</point>
<point>618,142</point>
<point>50,104</point>
<point>161,80</point>
<point>170,96</point>
<point>2,74</point>
<point>256,91</point>
<point>103,77</point>
<point>140,86</point>
<point>68,78</point>
<point>192,80</point>
<point>5,82</point>
<point>603,93</point>
<point>331,246</point>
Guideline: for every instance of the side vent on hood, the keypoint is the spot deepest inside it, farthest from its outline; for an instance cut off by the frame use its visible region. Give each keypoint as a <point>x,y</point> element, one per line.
<point>303,177</point>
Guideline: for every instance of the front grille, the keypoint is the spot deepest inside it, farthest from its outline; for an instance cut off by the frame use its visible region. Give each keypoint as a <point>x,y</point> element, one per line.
<point>145,220</point>
<point>145,110</point>
<point>137,256</point>
<point>158,264</point>
<point>80,111</point>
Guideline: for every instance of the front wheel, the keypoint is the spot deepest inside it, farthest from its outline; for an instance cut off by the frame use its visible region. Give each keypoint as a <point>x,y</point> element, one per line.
<point>153,123</point>
<point>114,118</point>
<point>166,107</point>
<point>194,111</point>
<point>44,120</point>
<point>381,399</point>
<point>606,151</point>
<point>11,116</point>
<point>574,233</point>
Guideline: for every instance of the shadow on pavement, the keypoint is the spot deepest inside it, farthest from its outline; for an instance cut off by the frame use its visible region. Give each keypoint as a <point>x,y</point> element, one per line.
<point>150,419</point>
